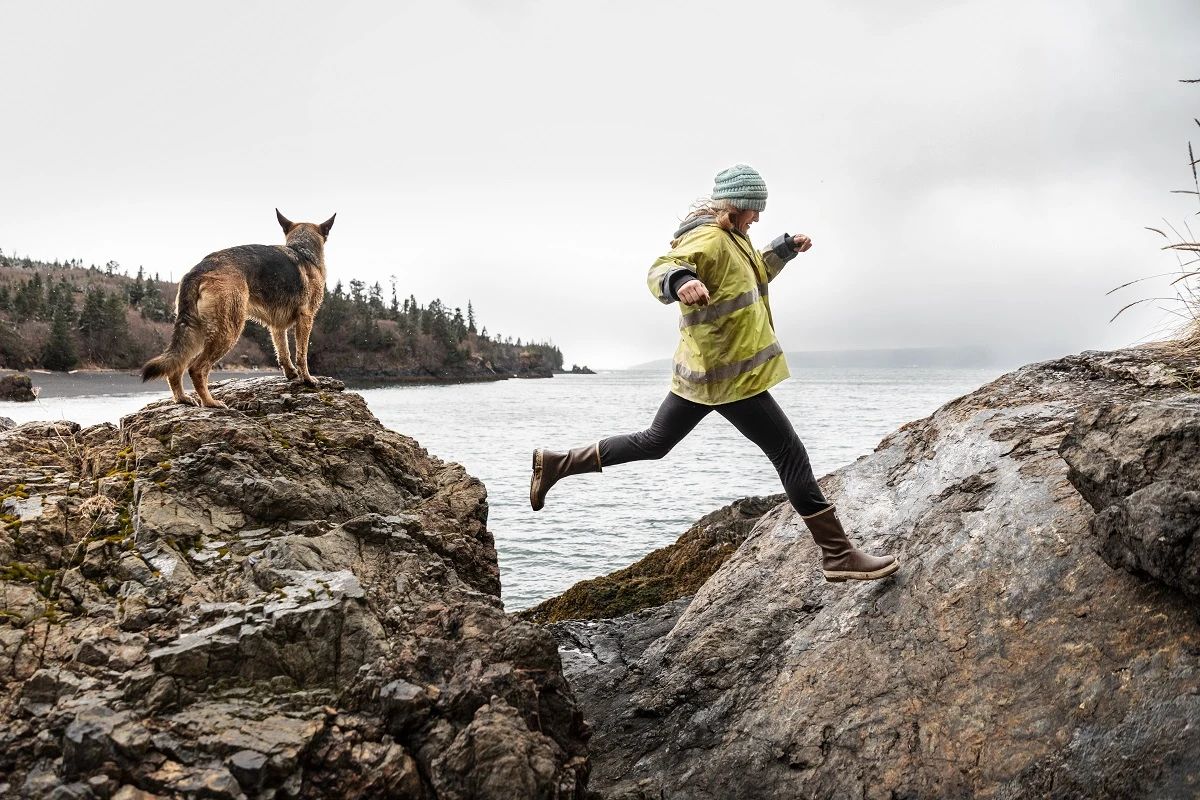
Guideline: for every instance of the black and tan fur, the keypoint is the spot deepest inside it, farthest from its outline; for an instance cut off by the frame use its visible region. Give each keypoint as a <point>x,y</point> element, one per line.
<point>277,286</point>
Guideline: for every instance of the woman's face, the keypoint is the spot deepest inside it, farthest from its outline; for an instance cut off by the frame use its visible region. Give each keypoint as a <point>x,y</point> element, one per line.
<point>742,220</point>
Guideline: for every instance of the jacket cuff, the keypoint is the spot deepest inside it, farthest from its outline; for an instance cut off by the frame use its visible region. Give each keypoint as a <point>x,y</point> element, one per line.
<point>674,280</point>
<point>784,246</point>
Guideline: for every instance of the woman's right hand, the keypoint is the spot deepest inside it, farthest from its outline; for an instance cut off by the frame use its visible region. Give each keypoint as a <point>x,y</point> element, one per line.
<point>694,293</point>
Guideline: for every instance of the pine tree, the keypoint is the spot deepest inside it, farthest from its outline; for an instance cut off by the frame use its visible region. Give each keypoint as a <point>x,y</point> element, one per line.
<point>29,302</point>
<point>59,352</point>
<point>138,290</point>
<point>458,326</point>
<point>154,306</point>
<point>91,319</point>
<point>375,299</point>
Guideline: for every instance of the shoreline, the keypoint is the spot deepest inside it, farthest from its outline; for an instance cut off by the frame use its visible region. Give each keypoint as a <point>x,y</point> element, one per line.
<point>95,382</point>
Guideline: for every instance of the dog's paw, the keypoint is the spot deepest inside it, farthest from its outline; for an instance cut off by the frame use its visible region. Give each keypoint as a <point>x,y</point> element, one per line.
<point>215,404</point>
<point>187,401</point>
<point>292,375</point>
<point>307,380</point>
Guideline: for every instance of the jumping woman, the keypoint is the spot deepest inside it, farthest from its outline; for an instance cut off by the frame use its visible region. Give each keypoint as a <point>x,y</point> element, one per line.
<point>727,360</point>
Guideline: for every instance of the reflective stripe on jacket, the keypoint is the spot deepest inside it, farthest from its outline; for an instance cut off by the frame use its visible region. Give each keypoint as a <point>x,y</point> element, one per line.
<point>727,349</point>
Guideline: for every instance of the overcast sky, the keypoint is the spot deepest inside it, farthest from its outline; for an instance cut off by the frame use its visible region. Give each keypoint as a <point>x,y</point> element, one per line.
<point>970,172</point>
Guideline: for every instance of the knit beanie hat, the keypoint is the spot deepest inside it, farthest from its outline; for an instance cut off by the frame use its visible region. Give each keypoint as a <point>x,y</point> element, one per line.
<point>742,186</point>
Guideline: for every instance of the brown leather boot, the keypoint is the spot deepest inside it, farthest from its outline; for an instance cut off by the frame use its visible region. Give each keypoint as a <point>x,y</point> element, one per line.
<point>549,468</point>
<point>840,560</point>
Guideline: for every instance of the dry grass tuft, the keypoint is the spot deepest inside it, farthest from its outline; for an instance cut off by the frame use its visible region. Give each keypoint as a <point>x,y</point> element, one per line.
<point>1184,244</point>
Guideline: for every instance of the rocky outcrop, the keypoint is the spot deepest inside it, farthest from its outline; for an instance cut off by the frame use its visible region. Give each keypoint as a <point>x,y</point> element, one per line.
<point>17,387</point>
<point>666,574</point>
<point>1138,464</point>
<point>1006,659</point>
<point>281,599</point>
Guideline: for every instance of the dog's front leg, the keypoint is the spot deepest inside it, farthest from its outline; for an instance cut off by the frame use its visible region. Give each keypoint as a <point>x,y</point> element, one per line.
<point>304,327</point>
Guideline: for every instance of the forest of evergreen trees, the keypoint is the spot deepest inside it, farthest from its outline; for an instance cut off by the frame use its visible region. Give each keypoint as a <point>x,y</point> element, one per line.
<point>60,316</point>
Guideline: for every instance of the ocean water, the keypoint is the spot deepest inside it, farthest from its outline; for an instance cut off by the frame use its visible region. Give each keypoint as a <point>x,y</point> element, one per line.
<point>594,524</point>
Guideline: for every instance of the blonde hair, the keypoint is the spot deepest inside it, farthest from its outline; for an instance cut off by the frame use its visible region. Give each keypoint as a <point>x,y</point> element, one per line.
<point>722,212</point>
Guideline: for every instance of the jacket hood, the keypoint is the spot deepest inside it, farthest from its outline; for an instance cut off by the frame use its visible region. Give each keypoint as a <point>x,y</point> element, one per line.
<point>692,224</point>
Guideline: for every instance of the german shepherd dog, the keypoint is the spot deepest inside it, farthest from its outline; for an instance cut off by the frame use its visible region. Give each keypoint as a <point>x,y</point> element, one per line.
<point>277,286</point>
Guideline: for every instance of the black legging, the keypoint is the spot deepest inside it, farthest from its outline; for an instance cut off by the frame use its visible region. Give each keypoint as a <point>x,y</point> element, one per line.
<point>758,418</point>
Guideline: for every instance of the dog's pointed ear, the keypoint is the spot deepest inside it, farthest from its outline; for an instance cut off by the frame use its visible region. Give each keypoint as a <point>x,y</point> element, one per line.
<point>327,226</point>
<point>284,223</point>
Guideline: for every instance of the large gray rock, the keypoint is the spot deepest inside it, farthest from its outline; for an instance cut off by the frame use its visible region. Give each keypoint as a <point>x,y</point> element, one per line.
<point>1138,464</point>
<point>281,599</point>
<point>1006,659</point>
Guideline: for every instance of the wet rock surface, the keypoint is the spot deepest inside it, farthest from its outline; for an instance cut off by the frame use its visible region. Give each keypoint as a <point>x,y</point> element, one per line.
<point>1006,659</point>
<point>280,599</point>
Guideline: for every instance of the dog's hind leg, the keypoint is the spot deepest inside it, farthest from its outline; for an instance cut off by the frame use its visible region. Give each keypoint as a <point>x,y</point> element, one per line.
<point>187,340</point>
<point>176,384</point>
<point>279,337</point>
<point>304,326</point>
<point>221,331</point>
<point>190,344</point>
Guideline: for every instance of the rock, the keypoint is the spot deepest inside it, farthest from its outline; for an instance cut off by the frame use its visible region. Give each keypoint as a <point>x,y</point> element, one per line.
<point>1138,465</point>
<point>1006,659</point>
<point>281,599</point>
<point>128,792</point>
<point>490,760</point>
<point>674,571</point>
<point>248,766</point>
<point>6,423</point>
<point>18,388</point>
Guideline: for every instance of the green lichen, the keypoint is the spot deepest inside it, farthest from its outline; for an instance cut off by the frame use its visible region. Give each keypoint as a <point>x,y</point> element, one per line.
<point>40,578</point>
<point>14,492</point>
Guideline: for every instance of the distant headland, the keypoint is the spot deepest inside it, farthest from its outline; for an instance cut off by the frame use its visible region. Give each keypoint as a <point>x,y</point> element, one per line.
<point>64,316</point>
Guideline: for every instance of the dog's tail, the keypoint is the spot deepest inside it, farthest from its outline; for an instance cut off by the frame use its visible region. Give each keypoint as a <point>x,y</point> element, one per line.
<point>185,338</point>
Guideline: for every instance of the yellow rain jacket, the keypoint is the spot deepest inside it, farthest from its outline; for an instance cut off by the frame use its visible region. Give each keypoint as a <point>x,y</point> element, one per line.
<point>727,349</point>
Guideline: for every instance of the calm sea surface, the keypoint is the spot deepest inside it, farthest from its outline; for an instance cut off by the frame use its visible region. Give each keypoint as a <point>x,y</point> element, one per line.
<point>593,524</point>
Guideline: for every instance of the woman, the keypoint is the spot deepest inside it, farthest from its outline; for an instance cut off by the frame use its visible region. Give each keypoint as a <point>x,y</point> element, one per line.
<point>728,358</point>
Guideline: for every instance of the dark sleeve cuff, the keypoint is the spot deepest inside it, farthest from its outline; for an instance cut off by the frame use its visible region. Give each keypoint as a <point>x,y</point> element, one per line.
<point>784,246</point>
<point>675,280</point>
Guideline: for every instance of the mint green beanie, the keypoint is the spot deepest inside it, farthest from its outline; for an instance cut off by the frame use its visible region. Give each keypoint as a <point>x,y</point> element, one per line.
<point>742,186</point>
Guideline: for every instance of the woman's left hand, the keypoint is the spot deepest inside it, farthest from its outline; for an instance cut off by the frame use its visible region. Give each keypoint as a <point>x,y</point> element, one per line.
<point>801,242</point>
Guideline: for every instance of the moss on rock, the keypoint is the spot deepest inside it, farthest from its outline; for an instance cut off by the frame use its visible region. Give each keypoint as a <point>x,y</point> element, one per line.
<point>674,571</point>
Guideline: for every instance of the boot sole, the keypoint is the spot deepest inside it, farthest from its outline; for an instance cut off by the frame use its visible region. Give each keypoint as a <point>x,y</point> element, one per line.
<point>840,575</point>
<point>534,480</point>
